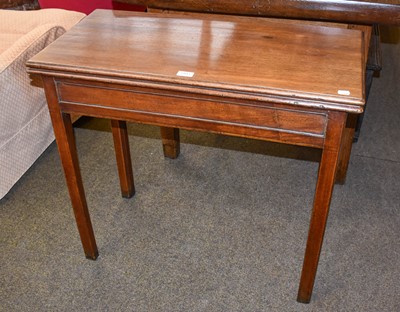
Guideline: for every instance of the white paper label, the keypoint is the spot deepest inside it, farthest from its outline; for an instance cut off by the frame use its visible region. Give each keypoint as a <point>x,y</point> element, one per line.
<point>343,92</point>
<point>182,73</point>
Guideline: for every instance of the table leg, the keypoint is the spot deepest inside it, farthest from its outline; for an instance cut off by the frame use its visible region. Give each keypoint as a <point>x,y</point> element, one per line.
<point>323,194</point>
<point>347,143</point>
<point>170,141</point>
<point>67,149</point>
<point>123,155</point>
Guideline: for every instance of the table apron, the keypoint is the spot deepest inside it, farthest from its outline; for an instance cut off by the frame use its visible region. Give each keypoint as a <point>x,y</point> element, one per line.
<point>189,111</point>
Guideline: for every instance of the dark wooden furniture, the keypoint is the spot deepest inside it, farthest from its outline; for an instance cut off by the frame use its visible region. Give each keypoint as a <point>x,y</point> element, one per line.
<point>19,4</point>
<point>347,11</point>
<point>296,85</point>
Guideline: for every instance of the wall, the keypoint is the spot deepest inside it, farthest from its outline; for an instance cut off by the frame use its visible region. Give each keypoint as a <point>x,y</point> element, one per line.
<point>88,6</point>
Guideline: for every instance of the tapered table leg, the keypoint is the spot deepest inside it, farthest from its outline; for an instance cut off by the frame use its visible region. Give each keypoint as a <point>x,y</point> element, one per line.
<point>170,141</point>
<point>122,153</point>
<point>345,151</point>
<point>67,149</point>
<point>323,194</point>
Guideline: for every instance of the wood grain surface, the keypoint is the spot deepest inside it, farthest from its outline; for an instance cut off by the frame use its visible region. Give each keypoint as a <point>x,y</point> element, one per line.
<point>257,57</point>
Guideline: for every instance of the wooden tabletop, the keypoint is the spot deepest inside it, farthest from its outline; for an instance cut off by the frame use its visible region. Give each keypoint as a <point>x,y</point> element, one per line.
<point>246,56</point>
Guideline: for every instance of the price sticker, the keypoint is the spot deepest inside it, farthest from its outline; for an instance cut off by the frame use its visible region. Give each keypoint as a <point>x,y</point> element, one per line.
<point>182,73</point>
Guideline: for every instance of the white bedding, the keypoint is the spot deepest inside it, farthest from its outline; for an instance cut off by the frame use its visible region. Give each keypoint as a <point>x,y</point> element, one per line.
<point>25,126</point>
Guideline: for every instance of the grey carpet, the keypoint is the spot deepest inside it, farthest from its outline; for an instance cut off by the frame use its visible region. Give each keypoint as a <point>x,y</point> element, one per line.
<point>222,228</point>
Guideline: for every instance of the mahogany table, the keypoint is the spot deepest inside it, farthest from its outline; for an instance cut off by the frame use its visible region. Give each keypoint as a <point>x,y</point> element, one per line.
<point>256,78</point>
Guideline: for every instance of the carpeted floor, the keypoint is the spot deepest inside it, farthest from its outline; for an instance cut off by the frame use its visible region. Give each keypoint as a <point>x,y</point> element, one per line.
<point>222,228</point>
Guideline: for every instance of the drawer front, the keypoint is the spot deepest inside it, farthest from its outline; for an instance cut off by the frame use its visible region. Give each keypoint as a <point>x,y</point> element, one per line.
<point>191,107</point>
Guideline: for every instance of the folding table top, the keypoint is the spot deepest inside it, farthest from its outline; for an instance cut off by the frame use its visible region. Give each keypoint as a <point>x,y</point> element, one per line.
<point>254,58</point>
